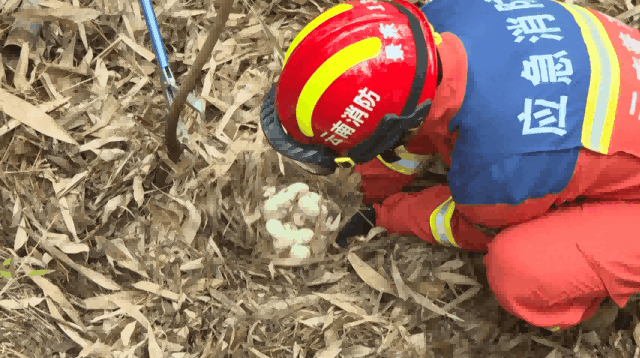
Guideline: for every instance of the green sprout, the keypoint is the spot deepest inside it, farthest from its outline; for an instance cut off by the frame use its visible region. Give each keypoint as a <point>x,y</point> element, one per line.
<point>7,274</point>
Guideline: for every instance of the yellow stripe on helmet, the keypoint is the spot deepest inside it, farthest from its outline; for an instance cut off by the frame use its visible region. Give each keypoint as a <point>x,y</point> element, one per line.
<point>334,11</point>
<point>328,72</point>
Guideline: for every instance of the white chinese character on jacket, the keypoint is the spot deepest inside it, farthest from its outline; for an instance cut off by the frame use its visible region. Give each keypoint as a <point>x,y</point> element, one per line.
<point>548,68</point>
<point>547,122</point>
<point>533,25</point>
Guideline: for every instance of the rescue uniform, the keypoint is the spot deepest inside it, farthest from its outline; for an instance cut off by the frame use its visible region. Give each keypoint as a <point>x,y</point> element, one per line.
<point>537,106</point>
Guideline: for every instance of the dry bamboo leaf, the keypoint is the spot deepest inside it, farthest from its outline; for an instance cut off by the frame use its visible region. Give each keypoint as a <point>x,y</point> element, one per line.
<point>192,265</point>
<point>11,305</point>
<point>296,349</point>
<point>240,98</point>
<point>73,248</point>
<point>97,143</point>
<point>92,275</point>
<point>426,303</point>
<point>52,291</point>
<point>155,288</point>
<point>75,336</point>
<point>554,354</point>
<point>10,5</point>
<point>331,351</point>
<point>314,322</point>
<point>328,277</point>
<point>186,13</point>
<point>21,235</point>
<point>128,261</point>
<point>294,262</point>
<point>630,13</point>
<point>104,301</point>
<point>81,30</point>
<point>20,76</point>
<point>68,220</point>
<point>111,206</point>
<point>109,155</point>
<point>28,114</point>
<point>69,44</point>
<point>388,339</point>
<point>146,54</point>
<point>16,213</point>
<point>192,224</point>
<point>257,353</point>
<point>49,87</point>
<point>70,184</point>
<point>69,14</point>
<point>101,73</point>
<point>456,279</point>
<point>373,232</point>
<point>397,278</point>
<point>99,303</point>
<point>357,351</point>
<point>97,348</point>
<point>127,307</point>
<point>346,306</point>
<point>138,190</point>
<point>2,73</point>
<point>450,265</point>
<point>9,126</point>
<point>55,104</point>
<point>129,96</point>
<point>370,276</point>
<point>463,297</point>
<point>54,4</point>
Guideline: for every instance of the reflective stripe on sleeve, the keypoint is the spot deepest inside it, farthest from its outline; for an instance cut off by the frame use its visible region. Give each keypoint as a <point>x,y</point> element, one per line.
<point>604,86</point>
<point>407,164</point>
<point>440,221</point>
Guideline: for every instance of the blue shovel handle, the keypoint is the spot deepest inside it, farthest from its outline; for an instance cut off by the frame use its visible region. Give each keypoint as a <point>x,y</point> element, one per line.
<point>154,33</point>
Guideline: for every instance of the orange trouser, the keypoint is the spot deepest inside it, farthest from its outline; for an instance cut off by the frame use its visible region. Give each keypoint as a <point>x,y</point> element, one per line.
<point>556,270</point>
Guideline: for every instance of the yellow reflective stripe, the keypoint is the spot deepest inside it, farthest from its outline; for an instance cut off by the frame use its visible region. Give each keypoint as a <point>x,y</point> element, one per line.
<point>553,329</point>
<point>604,86</point>
<point>440,222</point>
<point>328,72</point>
<point>408,163</point>
<point>334,11</point>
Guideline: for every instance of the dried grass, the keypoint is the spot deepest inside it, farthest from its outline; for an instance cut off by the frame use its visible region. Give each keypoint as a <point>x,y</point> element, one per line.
<point>135,271</point>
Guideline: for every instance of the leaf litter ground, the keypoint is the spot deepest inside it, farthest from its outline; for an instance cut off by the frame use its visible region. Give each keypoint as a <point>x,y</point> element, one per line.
<point>186,269</point>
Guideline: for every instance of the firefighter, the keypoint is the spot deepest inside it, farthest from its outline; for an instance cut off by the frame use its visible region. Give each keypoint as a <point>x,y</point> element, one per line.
<point>531,103</point>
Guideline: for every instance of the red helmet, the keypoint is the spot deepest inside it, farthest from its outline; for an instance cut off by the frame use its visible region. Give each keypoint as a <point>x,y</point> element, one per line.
<point>354,80</point>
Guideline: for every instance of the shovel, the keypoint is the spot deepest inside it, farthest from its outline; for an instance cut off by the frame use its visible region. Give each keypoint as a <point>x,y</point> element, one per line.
<point>176,131</point>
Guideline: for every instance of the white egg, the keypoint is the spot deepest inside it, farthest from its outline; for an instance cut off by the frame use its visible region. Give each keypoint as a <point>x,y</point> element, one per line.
<point>298,219</point>
<point>275,229</point>
<point>300,252</point>
<point>298,188</point>
<point>303,236</point>
<point>282,243</point>
<point>270,206</point>
<point>269,191</point>
<point>309,206</point>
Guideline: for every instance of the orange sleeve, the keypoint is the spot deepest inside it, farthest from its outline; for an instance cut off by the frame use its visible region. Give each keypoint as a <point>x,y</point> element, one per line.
<point>410,213</point>
<point>378,182</point>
